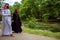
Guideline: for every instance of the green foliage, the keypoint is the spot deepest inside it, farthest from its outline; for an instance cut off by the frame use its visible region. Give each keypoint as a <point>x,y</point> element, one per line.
<point>42,32</point>
<point>15,6</point>
<point>36,25</point>
<point>46,16</point>
<point>40,9</point>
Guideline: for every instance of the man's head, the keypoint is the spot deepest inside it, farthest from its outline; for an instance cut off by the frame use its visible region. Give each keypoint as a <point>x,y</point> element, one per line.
<point>6,6</point>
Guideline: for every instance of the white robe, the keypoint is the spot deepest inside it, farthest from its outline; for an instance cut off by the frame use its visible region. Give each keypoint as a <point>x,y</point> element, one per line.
<point>6,22</point>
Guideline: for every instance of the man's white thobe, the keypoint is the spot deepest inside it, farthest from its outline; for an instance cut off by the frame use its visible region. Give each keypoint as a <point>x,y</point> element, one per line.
<point>6,22</point>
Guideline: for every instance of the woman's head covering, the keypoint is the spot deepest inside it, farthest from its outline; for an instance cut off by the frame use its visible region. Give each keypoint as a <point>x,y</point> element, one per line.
<point>16,11</point>
<point>5,6</point>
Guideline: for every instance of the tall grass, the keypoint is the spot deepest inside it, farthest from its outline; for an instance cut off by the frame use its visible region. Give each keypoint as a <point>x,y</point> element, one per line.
<point>39,28</point>
<point>43,26</point>
<point>42,32</point>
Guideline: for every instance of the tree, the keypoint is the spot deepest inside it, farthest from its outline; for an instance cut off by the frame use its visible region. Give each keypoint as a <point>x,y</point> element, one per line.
<point>39,9</point>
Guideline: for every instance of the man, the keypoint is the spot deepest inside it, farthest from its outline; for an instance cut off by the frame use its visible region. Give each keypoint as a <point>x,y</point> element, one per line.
<point>6,21</point>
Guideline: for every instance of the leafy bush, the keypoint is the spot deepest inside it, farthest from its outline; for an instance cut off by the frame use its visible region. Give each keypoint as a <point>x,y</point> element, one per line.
<point>36,25</point>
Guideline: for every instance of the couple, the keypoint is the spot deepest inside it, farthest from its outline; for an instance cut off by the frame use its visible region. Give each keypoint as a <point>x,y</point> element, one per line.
<point>7,24</point>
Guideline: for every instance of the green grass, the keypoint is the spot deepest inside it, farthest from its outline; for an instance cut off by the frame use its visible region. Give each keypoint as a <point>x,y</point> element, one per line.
<point>54,27</point>
<point>42,32</point>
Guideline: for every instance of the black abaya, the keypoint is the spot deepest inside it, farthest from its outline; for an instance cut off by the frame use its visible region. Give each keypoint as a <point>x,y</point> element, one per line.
<point>16,24</point>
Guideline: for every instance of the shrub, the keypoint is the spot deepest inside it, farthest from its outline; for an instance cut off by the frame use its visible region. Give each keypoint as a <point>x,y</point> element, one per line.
<point>36,25</point>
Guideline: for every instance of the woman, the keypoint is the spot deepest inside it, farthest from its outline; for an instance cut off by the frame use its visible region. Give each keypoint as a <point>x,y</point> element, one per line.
<point>6,21</point>
<point>16,24</point>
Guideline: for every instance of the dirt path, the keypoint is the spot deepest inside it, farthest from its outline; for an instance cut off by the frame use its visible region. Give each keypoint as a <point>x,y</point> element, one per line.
<point>25,36</point>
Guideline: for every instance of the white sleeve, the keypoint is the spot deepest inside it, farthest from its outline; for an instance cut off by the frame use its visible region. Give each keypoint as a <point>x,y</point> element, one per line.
<point>2,12</point>
<point>9,13</point>
<point>6,12</point>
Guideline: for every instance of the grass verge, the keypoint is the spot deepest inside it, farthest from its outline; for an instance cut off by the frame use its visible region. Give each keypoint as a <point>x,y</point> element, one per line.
<point>42,32</point>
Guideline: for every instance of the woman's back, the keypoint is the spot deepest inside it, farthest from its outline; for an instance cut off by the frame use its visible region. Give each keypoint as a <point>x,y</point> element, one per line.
<point>16,24</point>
